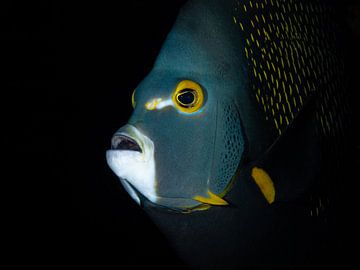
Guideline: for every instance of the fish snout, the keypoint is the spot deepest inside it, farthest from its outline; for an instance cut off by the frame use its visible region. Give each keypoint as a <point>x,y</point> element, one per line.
<point>124,142</point>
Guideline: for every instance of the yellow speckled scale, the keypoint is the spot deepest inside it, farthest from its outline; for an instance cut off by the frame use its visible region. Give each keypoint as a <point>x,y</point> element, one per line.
<point>296,58</point>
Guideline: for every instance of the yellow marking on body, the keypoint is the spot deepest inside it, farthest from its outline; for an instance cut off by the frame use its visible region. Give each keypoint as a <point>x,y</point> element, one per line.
<point>273,67</point>
<point>245,8</point>
<point>246,53</point>
<point>303,72</point>
<point>265,75</point>
<point>290,110</point>
<point>133,102</point>
<point>267,37</point>
<point>308,84</point>
<point>254,61</point>
<point>241,26</point>
<point>291,77</point>
<point>265,183</point>
<point>301,101</point>
<point>299,78</point>
<point>286,97</point>
<point>252,24</point>
<point>276,123</point>
<point>287,119</point>
<point>289,7</point>
<point>277,15</point>
<point>201,207</point>
<point>271,17</point>
<point>294,100</point>
<point>213,199</point>
<point>234,20</point>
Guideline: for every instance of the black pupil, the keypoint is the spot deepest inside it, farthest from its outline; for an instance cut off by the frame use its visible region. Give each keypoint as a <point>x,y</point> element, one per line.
<point>186,96</point>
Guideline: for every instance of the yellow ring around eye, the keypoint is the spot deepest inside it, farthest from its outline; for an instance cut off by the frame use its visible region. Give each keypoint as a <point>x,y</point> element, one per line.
<point>197,92</point>
<point>133,103</point>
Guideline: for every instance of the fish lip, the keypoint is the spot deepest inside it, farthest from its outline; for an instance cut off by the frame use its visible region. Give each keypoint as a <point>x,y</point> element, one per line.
<point>120,140</point>
<point>131,138</point>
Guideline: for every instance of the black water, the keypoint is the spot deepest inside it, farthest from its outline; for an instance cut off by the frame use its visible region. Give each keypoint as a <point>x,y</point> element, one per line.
<point>69,71</point>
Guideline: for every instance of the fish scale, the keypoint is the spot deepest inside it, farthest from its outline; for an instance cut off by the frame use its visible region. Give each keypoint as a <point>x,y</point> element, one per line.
<point>292,43</point>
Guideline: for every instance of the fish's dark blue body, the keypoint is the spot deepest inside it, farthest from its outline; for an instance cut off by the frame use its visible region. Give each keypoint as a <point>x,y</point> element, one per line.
<point>228,146</point>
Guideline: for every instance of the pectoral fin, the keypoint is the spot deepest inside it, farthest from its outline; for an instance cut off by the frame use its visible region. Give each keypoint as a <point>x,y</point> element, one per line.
<point>265,184</point>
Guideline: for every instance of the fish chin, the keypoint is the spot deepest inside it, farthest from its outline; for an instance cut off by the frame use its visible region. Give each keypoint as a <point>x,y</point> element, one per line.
<point>135,169</point>
<point>137,175</point>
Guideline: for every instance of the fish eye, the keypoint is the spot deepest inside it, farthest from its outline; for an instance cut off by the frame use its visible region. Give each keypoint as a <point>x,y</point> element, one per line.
<point>133,103</point>
<point>188,96</point>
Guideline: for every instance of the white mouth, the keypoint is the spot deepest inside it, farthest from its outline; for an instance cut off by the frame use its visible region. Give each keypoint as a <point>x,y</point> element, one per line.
<point>138,168</point>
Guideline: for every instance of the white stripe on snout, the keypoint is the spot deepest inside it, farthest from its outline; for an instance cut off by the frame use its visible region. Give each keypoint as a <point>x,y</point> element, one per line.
<point>135,167</point>
<point>158,103</point>
<point>164,104</point>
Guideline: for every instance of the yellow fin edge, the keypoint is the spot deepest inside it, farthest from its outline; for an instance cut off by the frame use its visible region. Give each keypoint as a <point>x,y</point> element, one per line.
<point>265,184</point>
<point>213,199</point>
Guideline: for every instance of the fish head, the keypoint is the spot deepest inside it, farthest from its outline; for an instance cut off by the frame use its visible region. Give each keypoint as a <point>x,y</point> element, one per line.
<point>184,141</point>
<point>182,145</point>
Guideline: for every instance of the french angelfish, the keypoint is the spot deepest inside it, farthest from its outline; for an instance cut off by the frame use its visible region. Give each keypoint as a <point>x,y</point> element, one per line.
<point>232,122</point>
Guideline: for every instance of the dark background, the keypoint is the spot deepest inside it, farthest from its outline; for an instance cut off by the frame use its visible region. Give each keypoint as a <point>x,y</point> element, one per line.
<point>69,71</point>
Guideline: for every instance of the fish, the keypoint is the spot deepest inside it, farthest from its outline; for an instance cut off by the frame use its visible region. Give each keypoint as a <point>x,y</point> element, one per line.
<point>239,113</point>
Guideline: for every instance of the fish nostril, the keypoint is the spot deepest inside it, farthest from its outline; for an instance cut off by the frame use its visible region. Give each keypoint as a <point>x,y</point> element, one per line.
<point>122,142</point>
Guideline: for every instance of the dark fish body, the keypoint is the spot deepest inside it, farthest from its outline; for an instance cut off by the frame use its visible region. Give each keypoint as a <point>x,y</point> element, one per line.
<point>273,74</point>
